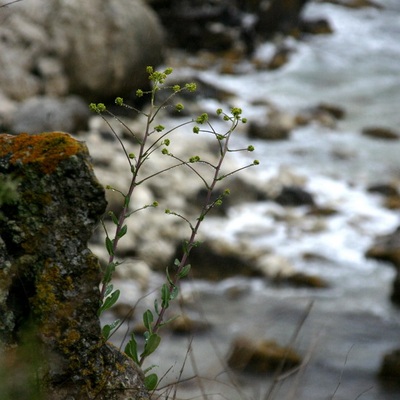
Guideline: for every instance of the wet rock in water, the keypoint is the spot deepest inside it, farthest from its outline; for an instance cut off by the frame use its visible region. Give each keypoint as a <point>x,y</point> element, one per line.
<point>302,280</point>
<point>45,114</point>
<point>390,367</point>
<point>49,278</point>
<point>387,248</point>
<point>279,16</point>
<point>213,261</point>
<point>294,196</point>
<point>261,357</point>
<point>91,48</point>
<point>268,131</point>
<point>380,133</point>
<point>186,325</point>
<point>319,26</point>
<point>390,192</point>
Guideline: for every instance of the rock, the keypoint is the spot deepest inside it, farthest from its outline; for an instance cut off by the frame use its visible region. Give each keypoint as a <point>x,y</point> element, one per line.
<point>387,248</point>
<point>49,279</point>
<point>94,49</point>
<point>261,357</point>
<point>214,261</point>
<point>294,196</point>
<point>222,26</point>
<point>47,114</point>
<point>7,110</point>
<point>300,280</point>
<point>279,16</point>
<point>268,131</point>
<point>380,133</point>
<point>184,325</point>
<point>385,189</point>
<point>390,367</point>
<point>355,3</point>
<point>319,26</point>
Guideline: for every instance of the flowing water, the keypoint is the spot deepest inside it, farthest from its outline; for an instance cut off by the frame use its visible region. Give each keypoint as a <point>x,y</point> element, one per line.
<point>352,323</point>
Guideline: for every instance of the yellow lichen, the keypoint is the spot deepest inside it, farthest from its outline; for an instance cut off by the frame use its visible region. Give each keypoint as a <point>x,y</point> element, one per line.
<point>45,150</point>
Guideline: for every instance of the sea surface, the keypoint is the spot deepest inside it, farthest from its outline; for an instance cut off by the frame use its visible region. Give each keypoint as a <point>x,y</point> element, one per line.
<point>350,325</point>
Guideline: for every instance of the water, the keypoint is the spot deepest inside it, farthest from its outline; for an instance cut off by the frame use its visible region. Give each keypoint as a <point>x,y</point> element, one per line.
<point>352,323</point>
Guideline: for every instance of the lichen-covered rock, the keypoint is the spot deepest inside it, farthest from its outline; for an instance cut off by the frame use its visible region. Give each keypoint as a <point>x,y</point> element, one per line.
<point>93,48</point>
<point>49,279</point>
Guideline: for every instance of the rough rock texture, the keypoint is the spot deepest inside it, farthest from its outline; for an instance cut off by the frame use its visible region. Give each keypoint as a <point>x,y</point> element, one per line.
<point>94,48</point>
<point>49,278</point>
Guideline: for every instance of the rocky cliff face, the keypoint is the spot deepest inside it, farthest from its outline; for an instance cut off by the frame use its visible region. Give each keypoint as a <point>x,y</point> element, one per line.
<point>49,278</point>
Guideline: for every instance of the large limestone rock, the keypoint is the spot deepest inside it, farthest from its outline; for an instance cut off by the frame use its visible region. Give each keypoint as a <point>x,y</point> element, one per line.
<point>93,48</point>
<point>50,336</point>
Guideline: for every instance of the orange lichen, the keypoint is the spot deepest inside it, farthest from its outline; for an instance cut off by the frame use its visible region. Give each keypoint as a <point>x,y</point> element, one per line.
<point>45,150</point>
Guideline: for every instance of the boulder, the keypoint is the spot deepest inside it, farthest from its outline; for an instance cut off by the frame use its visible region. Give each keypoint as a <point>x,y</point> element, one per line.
<point>216,261</point>
<point>226,25</point>
<point>93,48</point>
<point>294,196</point>
<point>387,248</point>
<point>46,114</point>
<point>265,356</point>
<point>390,367</point>
<point>49,279</point>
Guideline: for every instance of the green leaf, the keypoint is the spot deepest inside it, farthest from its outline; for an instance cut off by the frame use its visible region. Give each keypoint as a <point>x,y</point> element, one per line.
<point>164,296</point>
<point>174,293</point>
<point>151,381</point>
<point>156,308</point>
<point>176,262</point>
<point>151,345</point>
<point>148,320</point>
<point>168,277</point>
<point>185,271</point>
<point>123,231</point>
<point>109,246</point>
<point>109,289</point>
<point>110,301</point>
<point>131,349</point>
<point>108,329</point>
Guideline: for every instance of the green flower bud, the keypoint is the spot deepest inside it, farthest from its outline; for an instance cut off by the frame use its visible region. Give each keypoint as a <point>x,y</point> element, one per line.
<point>168,71</point>
<point>250,148</point>
<point>119,101</point>
<point>191,86</point>
<point>179,107</point>
<point>256,162</point>
<point>196,129</point>
<point>176,88</point>
<point>164,151</point>
<point>139,93</point>
<point>159,128</point>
